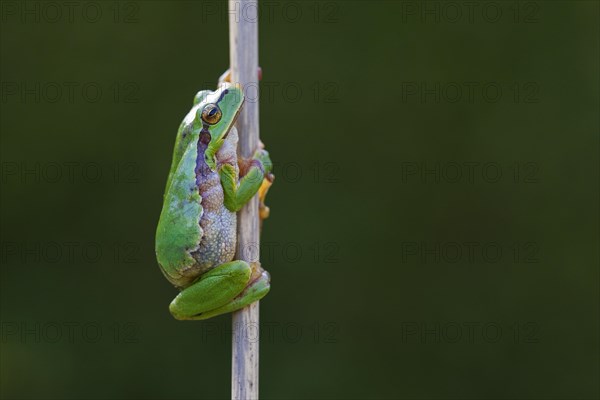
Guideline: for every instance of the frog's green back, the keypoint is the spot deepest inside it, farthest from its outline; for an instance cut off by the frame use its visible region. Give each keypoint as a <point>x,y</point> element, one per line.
<point>188,131</point>
<point>179,233</point>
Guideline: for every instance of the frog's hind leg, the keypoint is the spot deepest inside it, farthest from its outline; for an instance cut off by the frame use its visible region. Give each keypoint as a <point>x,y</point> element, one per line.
<point>213,290</point>
<point>257,289</point>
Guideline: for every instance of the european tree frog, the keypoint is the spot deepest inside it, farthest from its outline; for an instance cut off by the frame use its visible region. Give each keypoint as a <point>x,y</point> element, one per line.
<point>206,186</point>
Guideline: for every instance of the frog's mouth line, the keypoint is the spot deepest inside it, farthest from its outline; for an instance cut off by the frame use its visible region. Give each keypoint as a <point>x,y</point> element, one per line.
<point>237,113</point>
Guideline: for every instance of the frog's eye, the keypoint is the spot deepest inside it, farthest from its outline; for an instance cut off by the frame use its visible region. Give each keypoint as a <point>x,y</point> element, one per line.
<point>211,114</point>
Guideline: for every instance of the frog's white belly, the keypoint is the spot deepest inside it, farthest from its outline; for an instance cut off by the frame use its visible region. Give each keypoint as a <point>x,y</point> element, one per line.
<point>219,229</point>
<point>219,225</point>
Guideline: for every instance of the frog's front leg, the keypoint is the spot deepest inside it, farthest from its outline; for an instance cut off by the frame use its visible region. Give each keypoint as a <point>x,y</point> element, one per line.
<point>213,290</point>
<point>252,174</point>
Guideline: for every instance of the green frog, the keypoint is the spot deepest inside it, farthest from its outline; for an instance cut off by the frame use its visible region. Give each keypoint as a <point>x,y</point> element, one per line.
<point>207,185</point>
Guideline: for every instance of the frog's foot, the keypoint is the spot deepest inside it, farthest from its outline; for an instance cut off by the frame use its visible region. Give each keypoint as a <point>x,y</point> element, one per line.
<point>213,290</point>
<point>257,288</point>
<point>226,77</point>
<point>263,210</point>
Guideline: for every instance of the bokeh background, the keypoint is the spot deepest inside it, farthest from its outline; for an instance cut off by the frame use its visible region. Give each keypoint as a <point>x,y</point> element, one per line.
<point>434,220</point>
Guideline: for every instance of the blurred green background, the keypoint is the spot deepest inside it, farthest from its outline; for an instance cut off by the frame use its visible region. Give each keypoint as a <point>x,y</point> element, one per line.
<point>434,220</point>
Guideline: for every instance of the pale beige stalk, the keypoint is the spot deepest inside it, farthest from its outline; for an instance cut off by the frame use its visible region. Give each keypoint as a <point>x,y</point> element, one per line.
<point>243,51</point>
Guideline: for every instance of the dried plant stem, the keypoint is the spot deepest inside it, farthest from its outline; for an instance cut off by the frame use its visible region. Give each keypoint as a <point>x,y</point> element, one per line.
<point>243,50</point>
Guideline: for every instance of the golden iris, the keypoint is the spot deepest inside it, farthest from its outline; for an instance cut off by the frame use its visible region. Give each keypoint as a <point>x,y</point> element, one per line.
<point>211,114</point>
